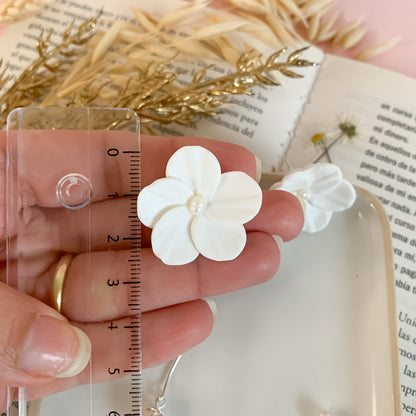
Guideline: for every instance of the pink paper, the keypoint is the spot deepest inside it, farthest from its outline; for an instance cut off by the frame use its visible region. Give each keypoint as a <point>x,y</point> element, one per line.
<point>385,20</point>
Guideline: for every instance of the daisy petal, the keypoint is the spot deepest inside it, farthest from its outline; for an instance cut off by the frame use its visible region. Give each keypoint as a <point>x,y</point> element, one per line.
<point>293,182</point>
<point>171,239</point>
<point>154,200</point>
<point>197,167</point>
<point>324,177</point>
<point>237,199</point>
<point>218,241</point>
<point>315,219</point>
<point>338,199</point>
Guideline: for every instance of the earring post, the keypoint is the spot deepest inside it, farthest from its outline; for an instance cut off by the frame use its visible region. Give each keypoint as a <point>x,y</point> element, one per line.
<point>161,401</point>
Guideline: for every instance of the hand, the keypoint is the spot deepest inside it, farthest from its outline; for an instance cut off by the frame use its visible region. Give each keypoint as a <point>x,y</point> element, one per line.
<point>39,347</point>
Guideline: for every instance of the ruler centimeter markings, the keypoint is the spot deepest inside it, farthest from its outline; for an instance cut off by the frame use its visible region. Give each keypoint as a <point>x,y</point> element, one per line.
<point>134,238</point>
<point>120,396</point>
<point>133,284</point>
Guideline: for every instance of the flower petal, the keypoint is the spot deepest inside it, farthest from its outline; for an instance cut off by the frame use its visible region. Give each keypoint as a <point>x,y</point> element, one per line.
<point>315,219</point>
<point>293,182</point>
<point>171,239</point>
<point>237,199</point>
<point>197,167</point>
<point>324,177</point>
<point>218,241</point>
<point>154,200</point>
<point>338,199</point>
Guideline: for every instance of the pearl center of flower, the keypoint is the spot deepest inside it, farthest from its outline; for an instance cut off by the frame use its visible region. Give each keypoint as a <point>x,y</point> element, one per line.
<point>305,194</point>
<point>196,204</point>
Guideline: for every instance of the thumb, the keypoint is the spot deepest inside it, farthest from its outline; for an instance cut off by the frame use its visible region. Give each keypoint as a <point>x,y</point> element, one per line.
<point>36,341</point>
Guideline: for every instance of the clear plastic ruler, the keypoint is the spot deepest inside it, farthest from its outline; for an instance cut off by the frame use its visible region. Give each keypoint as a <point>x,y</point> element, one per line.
<point>73,174</point>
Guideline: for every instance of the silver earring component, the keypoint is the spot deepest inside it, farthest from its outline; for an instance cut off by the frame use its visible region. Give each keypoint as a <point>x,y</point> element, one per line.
<point>161,401</point>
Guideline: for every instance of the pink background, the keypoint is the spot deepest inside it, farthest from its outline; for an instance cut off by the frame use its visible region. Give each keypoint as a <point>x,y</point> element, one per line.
<point>385,19</point>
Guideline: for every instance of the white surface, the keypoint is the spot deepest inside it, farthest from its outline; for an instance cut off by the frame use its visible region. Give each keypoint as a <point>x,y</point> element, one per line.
<point>316,338</point>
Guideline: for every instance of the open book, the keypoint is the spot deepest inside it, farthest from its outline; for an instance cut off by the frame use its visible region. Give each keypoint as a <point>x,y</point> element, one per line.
<point>278,125</point>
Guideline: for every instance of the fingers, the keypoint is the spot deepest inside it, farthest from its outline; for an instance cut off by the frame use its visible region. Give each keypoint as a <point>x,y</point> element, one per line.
<point>95,289</point>
<point>47,156</point>
<point>281,214</point>
<point>36,341</point>
<point>79,231</point>
<point>166,333</point>
<point>88,295</point>
<point>75,231</point>
<point>101,156</point>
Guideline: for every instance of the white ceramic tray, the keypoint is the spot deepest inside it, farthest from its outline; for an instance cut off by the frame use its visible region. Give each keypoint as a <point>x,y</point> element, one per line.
<point>319,338</point>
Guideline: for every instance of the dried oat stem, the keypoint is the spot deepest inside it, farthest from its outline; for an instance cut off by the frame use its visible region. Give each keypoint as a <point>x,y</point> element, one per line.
<point>14,10</point>
<point>138,65</point>
<point>152,91</point>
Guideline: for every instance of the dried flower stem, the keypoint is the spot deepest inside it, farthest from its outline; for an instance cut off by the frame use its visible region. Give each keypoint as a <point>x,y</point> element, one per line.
<point>327,148</point>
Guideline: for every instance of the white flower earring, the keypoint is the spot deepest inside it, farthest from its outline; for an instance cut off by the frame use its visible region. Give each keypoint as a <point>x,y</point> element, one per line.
<point>322,190</point>
<point>197,210</point>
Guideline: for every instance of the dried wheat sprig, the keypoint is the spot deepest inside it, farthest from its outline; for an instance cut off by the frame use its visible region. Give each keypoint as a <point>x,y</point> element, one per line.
<point>292,7</point>
<point>263,32</point>
<point>313,28</point>
<point>156,96</point>
<point>346,30</point>
<point>283,16</point>
<point>326,30</point>
<point>106,41</point>
<point>167,102</point>
<point>218,29</point>
<point>271,21</point>
<point>251,6</point>
<point>44,72</point>
<point>128,54</point>
<point>377,49</point>
<point>99,77</point>
<point>354,37</point>
<point>183,13</point>
<point>311,7</point>
<point>4,77</point>
<point>14,10</point>
<point>145,20</point>
<point>290,25</point>
<point>281,32</point>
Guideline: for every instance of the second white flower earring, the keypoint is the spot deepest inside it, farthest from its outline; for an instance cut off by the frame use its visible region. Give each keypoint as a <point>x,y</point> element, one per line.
<point>322,190</point>
<point>197,210</point>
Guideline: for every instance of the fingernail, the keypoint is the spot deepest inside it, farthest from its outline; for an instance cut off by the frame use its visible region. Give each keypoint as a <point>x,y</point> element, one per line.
<point>258,168</point>
<point>213,306</point>
<point>54,348</point>
<point>279,242</point>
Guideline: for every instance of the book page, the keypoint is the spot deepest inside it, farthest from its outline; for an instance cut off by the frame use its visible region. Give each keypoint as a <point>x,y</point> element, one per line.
<point>382,159</point>
<point>262,122</point>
